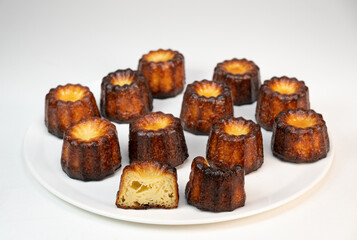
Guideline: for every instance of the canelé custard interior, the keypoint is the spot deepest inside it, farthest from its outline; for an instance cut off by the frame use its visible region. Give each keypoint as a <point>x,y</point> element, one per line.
<point>237,67</point>
<point>155,122</point>
<point>208,89</point>
<point>70,93</point>
<point>236,129</point>
<point>159,56</point>
<point>301,121</point>
<point>122,80</point>
<point>88,130</point>
<point>284,87</point>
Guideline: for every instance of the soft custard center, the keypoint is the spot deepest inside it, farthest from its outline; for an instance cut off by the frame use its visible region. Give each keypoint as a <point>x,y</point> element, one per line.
<point>236,129</point>
<point>157,123</point>
<point>284,87</point>
<point>208,90</point>
<point>122,80</point>
<point>159,56</point>
<point>301,121</point>
<point>70,93</point>
<point>236,67</point>
<point>88,130</point>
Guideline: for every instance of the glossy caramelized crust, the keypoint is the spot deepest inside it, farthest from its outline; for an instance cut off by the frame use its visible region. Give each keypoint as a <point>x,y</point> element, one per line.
<point>236,141</point>
<point>214,189</point>
<point>205,102</point>
<point>165,72</point>
<point>90,149</point>
<point>277,95</point>
<point>67,104</point>
<point>125,96</point>
<point>242,76</point>
<point>157,137</point>
<point>300,136</point>
<point>148,184</point>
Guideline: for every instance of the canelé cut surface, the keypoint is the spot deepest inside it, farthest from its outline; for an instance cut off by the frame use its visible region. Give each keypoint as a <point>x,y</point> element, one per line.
<point>159,56</point>
<point>237,67</point>
<point>208,89</point>
<point>236,128</point>
<point>70,93</point>
<point>147,185</point>
<point>301,121</point>
<point>122,80</point>
<point>88,130</point>
<point>284,87</point>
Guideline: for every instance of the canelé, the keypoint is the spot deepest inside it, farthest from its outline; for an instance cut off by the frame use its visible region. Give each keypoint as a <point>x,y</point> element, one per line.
<point>204,102</point>
<point>213,189</point>
<point>300,136</point>
<point>148,184</point>
<point>242,76</point>
<point>236,141</point>
<point>157,137</point>
<point>164,71</point>
<point>125,95</point>
<point>67,104</point>
<point>280,94</point>
<point>90,149</point>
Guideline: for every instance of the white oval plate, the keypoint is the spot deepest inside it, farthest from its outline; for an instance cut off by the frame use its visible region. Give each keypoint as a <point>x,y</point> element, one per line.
<point>274,184</point>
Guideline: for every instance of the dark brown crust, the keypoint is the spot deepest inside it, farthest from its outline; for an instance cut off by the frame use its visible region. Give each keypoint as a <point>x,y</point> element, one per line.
<point>270,103</point>
<point>140,166</point>
<point>171,72</point>
<point>226,151</point>
<point>245,87</point>
<point>214,189</point>
<point>166,145</point>
<point>94,159</point>
<point>300,145</point>
<point>199,113</point>
<point>60,114</point>
<point>123,104</point>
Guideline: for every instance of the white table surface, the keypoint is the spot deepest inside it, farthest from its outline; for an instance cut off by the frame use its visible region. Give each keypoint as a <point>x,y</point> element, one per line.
<point>47,43</point>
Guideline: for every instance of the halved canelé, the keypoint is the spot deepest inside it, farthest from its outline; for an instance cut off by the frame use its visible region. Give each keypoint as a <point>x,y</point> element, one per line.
<point>213,189</point>
<point>242,76</point>
<point>125,95</point>
<point>204,102</point>
<point>300,136</point>
<point>148,184</point>
<point>236,141</point>
<point>157,137</point>
<point>165,72</point>
<point>68,104</point>
<point>90,149</point>
<point>277,95</point>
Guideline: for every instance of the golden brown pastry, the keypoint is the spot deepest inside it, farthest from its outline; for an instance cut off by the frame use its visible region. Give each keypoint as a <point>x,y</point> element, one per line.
<point>165,72</point>
<point>236,141</point>
<point>157,137</point>
<point>67,104</point>
<point>90,149</point>
<point>204,102</point>
<point>214,189</point>
<point>148,184</point>
<point>242,76</point>
<point>277,95</point>
<point>300,136</point>
<point>125,95</point>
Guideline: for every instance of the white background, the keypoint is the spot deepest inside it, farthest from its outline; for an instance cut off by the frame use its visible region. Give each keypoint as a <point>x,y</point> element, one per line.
<point>47,43</point>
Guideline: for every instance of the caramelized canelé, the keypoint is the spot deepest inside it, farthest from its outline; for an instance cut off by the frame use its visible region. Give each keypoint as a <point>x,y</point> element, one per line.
<point>236,141</point>
<point>300,136</point>
<point>125,96</point>
<point>213,189</point>
<point>148,184</point>
<point>205,102</point>
<point>90,149</point>
<point>157,137</point>
<point>165,72</point>
<point>67,104</point>
<point>277,95</point>
<point>242,76</point>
